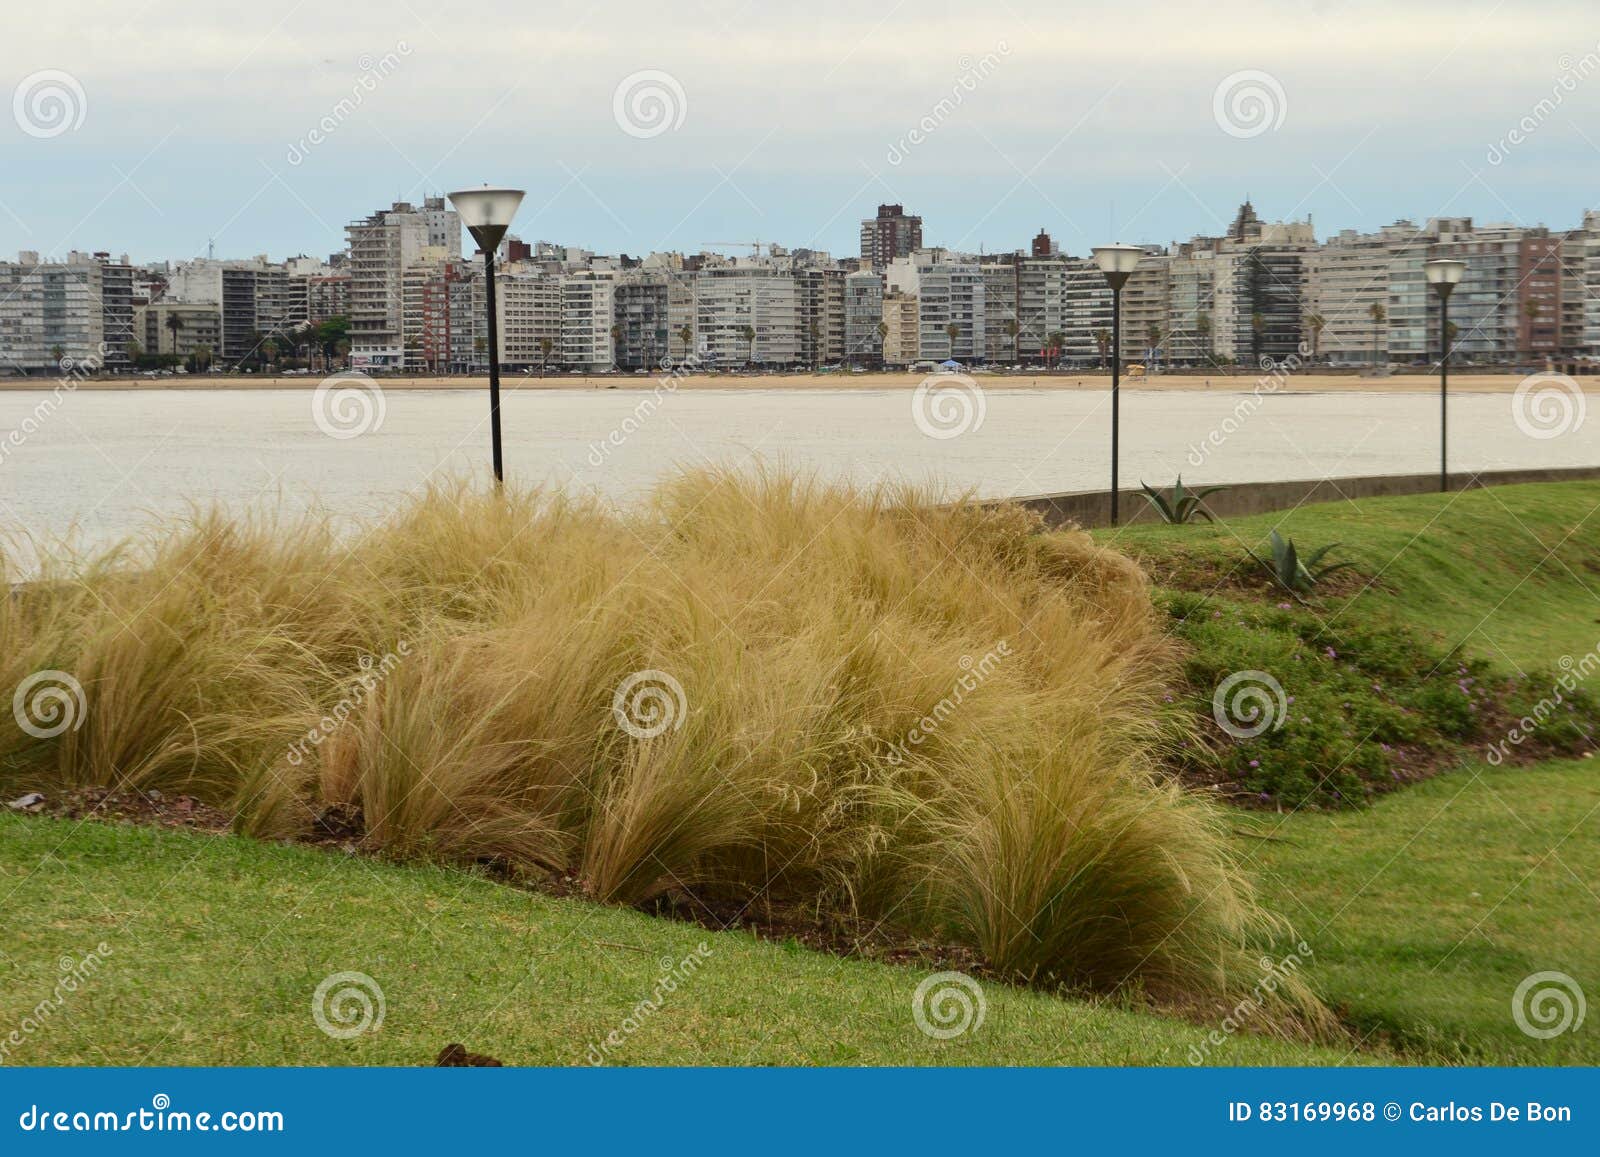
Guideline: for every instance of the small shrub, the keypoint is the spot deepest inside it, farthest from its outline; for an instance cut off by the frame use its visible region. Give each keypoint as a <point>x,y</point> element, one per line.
<point>1291,571</point>
<point>1184,506</point>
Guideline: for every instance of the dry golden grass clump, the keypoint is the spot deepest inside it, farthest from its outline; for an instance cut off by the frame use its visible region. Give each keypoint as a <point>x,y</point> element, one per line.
<point>753,686</point>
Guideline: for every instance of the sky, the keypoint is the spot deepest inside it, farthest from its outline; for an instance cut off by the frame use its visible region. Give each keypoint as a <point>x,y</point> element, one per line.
<point>157,127</point>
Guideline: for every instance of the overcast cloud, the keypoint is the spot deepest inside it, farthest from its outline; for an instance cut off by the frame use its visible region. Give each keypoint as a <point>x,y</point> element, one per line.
<point>266,127</point>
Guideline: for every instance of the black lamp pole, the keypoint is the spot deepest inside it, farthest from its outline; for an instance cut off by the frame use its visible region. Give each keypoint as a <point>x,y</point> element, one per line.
<point>494,366</point>
<point>1117,280</point>
<point>1117,262</point>
<point>487,214</point>
<point>1444,387</point>
<point>1443,273</point>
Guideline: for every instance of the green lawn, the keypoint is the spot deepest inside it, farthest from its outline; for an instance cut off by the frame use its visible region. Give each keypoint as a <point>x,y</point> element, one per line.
<point>218,944</point>
<point>1510,572</point>
<point>1426,911</point>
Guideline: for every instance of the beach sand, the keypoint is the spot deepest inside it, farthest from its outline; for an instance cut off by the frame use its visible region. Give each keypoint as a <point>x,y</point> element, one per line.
<point>1244,382</point>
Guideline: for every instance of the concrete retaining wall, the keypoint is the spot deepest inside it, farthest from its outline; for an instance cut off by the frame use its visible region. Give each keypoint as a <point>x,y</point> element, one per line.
<point>1092,508</point>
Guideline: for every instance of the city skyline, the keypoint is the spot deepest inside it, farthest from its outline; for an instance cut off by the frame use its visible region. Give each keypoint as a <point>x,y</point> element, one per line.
<point>991,123</point>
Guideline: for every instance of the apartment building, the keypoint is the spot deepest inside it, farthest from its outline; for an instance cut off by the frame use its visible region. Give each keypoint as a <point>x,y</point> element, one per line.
<point>822,336</point>
<point>1144,310</point>
<point>901,340</point>
<point>49,312</point>
<point>529,318</point>
<point>381,248</point>
<point>588,300</point>
<point>1539,293</point>
<point>1000,324</point>
<point>949,289</point>
<point>1083,337</point>
<point>733,300</point>
<point>189,331</point>
<point>1191,304</point>
<point>641,314</point>
<point>889,235</point>
<point>863,314</point>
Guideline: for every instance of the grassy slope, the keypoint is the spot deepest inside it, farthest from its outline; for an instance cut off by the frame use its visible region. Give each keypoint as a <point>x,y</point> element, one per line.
<point>1426,911</point>
<point>218,944</point>
<point>1512,572</point>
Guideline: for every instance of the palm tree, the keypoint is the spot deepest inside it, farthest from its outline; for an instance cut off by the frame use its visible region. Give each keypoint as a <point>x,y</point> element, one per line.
<point>616,346</point>
<point>1102,339</point>
<point>1202,332</point>
<point>545,346</point>
<point>686,335</point>
<point>174,327</point>
<point>1530,310</point>
<point>952,331</point>
<point>748,332</point>
<point>1152,337</point>
<point>1379,316</point>
<point>1055,343</point>
<point>1315,322</point>
<point>883,341</point>
<point>1012,332</point>
<point>814,332</point>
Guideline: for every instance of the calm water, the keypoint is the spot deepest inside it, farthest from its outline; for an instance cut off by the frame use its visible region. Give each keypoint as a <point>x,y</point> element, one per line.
<point>108,462</point>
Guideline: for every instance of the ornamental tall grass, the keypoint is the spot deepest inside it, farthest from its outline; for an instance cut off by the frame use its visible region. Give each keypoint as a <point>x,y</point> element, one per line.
<point>752,688</point>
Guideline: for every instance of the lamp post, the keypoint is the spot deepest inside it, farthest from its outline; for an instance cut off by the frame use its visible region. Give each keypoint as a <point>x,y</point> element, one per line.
<point>1444,275</point>
<point>487,215</point>
<point>1116,262</point>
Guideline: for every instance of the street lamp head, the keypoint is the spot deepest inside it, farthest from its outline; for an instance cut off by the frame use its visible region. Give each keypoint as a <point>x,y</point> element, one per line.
<point>487,213</point>
<point>1444,274</point>
<point>1117,262</point>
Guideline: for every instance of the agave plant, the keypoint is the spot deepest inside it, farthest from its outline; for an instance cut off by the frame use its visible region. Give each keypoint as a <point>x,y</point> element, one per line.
<point>1292,571</point>
<point>1183,506</point>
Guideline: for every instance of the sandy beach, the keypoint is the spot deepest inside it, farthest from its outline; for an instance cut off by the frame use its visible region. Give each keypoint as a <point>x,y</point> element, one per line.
<point>1423,382</point>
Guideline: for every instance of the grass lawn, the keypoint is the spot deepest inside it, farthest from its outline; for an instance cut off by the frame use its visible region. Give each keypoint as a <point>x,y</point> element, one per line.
<point>1427,910</point>
<point>1512,573</point>
<point>218,943</point>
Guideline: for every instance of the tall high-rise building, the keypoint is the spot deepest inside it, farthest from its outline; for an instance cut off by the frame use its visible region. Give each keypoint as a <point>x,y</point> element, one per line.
<point>382,247</point>
<point>949,290</point>
<point>863,314</point>
<point>889,235</point>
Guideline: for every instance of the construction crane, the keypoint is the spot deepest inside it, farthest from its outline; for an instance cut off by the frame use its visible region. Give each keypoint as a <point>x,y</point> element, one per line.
<point>755,246</point>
